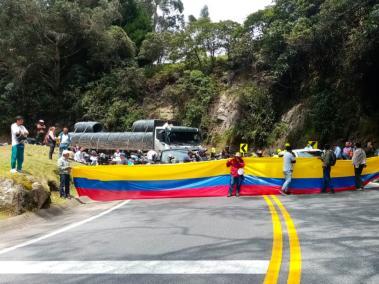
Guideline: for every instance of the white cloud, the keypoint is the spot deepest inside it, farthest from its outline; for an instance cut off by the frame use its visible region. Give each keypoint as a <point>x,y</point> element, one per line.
<point>236,10</point>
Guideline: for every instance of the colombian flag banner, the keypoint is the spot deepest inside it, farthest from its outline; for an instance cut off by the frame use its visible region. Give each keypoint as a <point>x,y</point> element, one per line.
<point>205,179</point>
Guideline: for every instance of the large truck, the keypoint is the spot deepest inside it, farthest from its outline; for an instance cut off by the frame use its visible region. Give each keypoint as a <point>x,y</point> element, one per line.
<point>150,134</point>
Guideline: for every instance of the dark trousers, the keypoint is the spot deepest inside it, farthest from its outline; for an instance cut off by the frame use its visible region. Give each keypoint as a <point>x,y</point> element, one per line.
<point>235,182</point>
<point>64,188</point>
<point>39,138</point>
<point>327,181</point>
<point>51,152</point>
<point>358,178</point>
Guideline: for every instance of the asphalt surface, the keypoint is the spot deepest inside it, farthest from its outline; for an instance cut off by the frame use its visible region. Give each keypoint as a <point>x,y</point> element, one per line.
<point>338,234</point>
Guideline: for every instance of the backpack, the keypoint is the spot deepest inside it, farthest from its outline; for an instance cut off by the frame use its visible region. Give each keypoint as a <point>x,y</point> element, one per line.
<point>333,159</point>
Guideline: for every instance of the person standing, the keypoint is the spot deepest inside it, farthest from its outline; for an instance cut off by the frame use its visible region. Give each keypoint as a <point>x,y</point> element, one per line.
<point>64,174</point>
<point>289,160</point>
<point>51,141</point>
<point>19,136</point>
<point>308,147</point>
<point>236,165</point>
<point>337,151</point>
<point>359,162</point>
<point>225,154</point>
<point>213,153</point>
<point>347,151</point>
<point>328,159</point>
<point>40,129</point>
<point>370,150</point>
<point>65,141</point>
<point>152,156</point>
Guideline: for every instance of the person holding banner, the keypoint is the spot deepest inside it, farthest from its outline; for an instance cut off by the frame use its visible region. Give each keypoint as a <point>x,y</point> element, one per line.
<point>359,162</point>
<point>328,159</point>
<point>289,160</point>
<point>236,165</point>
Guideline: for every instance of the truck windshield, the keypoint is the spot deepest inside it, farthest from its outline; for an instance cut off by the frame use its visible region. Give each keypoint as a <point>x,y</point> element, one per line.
<point>192,138</point>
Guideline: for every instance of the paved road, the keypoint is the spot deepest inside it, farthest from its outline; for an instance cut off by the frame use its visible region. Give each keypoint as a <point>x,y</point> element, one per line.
<point>217,240</point>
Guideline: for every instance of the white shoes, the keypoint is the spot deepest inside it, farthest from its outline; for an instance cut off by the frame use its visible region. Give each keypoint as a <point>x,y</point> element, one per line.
<point>13,171</point>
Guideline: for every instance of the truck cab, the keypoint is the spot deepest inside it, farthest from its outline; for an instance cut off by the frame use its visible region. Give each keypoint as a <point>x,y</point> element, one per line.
<point>169,136</point>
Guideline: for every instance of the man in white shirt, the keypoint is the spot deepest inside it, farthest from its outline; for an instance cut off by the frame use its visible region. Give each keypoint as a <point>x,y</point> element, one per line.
<point>78,156</point>
<point>19,136</point>
<point>152,156</point>
<point>288,160</point>
<point>117,156</point>
<point>65,141</point>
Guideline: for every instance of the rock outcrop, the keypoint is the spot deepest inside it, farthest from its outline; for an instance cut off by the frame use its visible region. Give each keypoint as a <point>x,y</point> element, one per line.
<point>14,198</point>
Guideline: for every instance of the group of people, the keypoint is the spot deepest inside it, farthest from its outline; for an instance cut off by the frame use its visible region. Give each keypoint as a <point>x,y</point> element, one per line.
<point>358,156</point>
<point>93,158</point>
<point>19,135</point>
<point>328,158</point>
<point>346,153</point>
<point>51,139</point>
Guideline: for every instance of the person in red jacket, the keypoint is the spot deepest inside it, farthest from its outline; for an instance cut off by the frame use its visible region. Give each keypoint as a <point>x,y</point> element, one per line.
<point>236,165</point>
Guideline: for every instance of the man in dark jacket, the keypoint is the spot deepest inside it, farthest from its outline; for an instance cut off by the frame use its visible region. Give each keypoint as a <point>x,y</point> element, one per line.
<point>236,165</point>
<point>328,159</point>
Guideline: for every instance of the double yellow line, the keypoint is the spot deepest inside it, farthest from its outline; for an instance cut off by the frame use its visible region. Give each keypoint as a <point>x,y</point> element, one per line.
<point>294,272</point>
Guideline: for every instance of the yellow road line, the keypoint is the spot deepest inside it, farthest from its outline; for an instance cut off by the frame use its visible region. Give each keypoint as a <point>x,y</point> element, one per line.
<point>294,274</point>
<point>277,245</point>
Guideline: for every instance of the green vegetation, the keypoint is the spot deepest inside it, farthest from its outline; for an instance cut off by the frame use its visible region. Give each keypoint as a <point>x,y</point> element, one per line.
<point>67,60</point>
<point>37,167</point>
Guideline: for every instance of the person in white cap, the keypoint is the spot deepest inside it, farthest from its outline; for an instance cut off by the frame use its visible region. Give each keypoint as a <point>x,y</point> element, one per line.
<point>64,174</point>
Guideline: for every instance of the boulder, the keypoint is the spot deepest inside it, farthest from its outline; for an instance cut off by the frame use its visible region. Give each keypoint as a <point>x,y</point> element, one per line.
<point>40,196</point>
<point>16,199</point>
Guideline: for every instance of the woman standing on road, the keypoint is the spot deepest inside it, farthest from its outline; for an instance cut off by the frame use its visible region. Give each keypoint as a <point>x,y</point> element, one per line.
<point>359,162</point>
<point>51,141</point>
<point>237,165</point>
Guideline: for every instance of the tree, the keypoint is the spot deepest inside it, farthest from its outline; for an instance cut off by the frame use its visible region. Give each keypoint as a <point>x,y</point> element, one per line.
<point>154,48</point>
<point>114,99</point>
<point>191,19</point>
<point>192,94</point>
<point>229,34</point>
<point>204,13</point>
<point>256,115</point>
<point>47,46</point>
<point>171,17</point>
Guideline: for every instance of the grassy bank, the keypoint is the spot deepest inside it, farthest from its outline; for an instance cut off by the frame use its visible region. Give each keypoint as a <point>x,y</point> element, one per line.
<point>37,167</point>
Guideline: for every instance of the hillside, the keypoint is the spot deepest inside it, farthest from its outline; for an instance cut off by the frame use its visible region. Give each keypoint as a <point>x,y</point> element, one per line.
<point>37,168</point>
<point>295,71</point>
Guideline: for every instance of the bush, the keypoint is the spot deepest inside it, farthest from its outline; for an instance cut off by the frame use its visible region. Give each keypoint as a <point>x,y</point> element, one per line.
<point>115,99</point>
<point>192,95</point>
<point>256,115</point>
